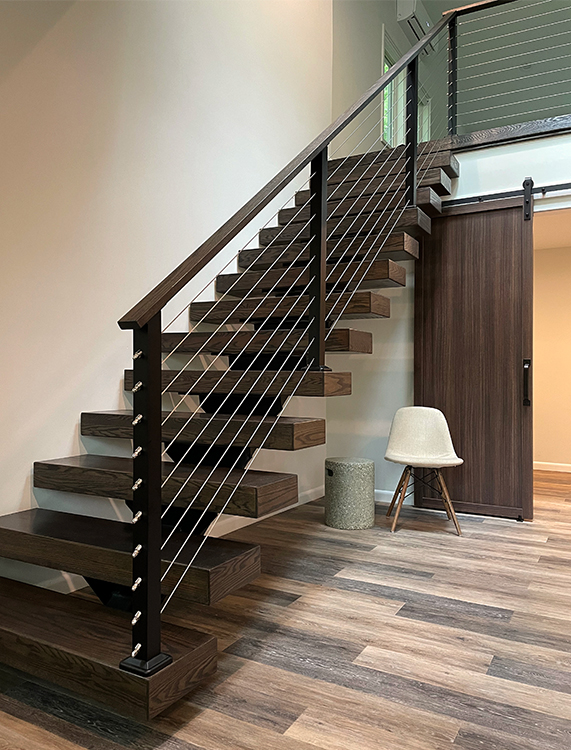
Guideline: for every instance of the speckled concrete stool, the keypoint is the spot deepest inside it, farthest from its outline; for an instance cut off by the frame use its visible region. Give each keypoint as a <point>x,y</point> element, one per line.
<point>350,493</point>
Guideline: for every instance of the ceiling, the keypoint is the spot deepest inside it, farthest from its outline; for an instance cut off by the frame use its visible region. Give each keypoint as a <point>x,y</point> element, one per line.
<point>552,229</point>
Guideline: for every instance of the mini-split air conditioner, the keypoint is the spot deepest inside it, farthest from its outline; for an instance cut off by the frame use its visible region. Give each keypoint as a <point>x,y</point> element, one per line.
<point>413,19</point>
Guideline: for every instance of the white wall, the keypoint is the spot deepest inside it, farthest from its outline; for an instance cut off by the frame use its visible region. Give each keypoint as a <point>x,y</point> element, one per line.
<point>552,359</point>
<point>129,132</point>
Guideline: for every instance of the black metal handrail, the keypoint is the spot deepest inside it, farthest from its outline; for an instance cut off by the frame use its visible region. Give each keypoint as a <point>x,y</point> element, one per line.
<point>145,321</point>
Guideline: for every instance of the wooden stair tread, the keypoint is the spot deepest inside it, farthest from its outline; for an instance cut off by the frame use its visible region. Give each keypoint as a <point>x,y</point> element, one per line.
<point>411,220</point>
<point>424,148</point>
<point>101,548</point>
<point>78,644</point>
<point>361,305</point>
<point>266,383</point>
<point>285,433</point>
<point>239,342</point>
<point>397,246</point>
<point>434,179</point>
<point>258,493</point>
<point>366,202</point>
<point>379,273</point>
<point>375,164</point>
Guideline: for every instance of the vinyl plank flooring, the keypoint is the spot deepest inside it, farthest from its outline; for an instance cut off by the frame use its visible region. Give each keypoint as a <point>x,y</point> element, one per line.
<point>531,674</point>
<point>361,640</point>
<point>327,660</point>
<point>474,683</point>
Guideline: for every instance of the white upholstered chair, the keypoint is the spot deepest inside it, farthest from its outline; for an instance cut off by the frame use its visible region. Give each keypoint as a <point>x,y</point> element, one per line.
<point>420,439</point>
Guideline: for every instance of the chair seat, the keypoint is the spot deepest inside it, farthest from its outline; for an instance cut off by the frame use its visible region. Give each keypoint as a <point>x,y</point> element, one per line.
<point>432,462</point>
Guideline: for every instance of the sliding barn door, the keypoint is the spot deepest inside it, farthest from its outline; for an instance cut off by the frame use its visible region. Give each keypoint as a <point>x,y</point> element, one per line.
<point>473,338</point>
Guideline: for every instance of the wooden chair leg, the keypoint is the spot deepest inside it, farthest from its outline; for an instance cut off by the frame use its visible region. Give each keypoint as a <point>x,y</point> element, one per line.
<point>442,495</point>
<point>398,489</point>
<point>407,473</point>
<point>448,502</point>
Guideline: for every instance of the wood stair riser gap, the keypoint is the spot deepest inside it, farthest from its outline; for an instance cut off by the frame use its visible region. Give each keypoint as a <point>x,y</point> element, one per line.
<point>367,304</point>
<point>378,274</point>
<point>410,220</point>
<point>288,433</point>
<point>79,644</point>
<point>397,246</point>
<point>248,342</point>
<point>259,492</point>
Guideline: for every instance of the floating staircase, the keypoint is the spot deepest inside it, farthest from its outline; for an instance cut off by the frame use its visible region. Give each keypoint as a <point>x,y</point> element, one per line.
<point>190,464</point>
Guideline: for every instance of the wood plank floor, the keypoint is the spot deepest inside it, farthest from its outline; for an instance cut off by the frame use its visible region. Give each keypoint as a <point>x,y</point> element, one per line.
<point>358,640</point>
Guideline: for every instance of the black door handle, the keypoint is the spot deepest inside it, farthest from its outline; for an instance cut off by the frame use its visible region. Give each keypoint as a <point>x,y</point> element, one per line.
<point>526,369</point>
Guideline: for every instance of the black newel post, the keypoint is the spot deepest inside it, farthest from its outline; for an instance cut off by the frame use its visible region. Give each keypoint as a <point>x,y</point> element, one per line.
<point>146,657</point>
<point>411,127</point>
<point>318,259</point>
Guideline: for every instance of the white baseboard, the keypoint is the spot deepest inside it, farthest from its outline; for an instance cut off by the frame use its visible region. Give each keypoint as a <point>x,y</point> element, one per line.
<point>542,466</point>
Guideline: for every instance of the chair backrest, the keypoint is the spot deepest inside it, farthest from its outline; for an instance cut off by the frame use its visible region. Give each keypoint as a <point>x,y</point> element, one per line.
<point>421,432</point>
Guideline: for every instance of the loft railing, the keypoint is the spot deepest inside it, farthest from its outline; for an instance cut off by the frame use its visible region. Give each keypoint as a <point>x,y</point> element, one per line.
<point>510,65</point>
<point>353,204</point>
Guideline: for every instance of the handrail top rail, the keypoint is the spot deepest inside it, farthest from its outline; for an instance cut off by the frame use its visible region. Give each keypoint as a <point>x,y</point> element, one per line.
<point>473,7</point>
<point>157,298</point>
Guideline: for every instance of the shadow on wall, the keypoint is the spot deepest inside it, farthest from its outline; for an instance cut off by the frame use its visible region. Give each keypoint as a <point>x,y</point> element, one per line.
<point>23,25</point>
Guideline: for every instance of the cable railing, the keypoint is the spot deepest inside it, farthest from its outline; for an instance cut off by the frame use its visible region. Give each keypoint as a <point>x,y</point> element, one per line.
<point>511,65</point>
<point>251,349</point>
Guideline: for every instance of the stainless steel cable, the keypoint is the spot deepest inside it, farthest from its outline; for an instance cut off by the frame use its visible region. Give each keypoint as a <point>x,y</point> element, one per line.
<point>487,29</point>
<point>519,78</point>
<point>510,57</point>
<point>511,46</point>
<point>233,389</point>
<point>533,30</point>
<point>518,8</point>
<point>520,101</point>
<point>203,541</point>
<point>213,469</point>
<point>510,116</point>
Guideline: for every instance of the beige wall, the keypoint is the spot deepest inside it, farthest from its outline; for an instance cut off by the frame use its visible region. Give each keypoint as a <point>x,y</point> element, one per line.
<point>552,358</point>
<point>129,132</point>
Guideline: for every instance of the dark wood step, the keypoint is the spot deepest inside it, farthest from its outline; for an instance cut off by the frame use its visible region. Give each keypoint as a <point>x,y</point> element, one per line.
<point>265,383</point>
<point>249,342</point>
<point>258,493</point>
<point>398,246</point>
<point>426,199</point>
<point>283,434</point>
<point>425,149</point>
<point>376,275</point>
<point>101,548</point>
<point>79,644</point>
<point>392,219</point>
<point>435,179</point>
<point>360,305</point>
<point>375,165</point>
